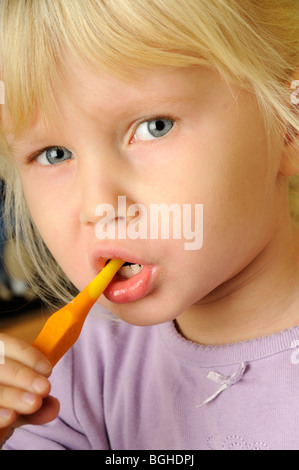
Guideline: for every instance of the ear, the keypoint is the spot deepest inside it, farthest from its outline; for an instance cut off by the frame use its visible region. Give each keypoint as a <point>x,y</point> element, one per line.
<point>289,164</point>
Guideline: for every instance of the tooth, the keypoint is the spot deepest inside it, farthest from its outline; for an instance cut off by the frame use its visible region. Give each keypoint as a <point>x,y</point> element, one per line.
<point>126,272</point>
<point>136,268</point>
<point>130,270</point>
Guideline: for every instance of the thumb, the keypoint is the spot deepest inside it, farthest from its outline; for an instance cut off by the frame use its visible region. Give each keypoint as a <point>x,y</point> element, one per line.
<point>47,412</point>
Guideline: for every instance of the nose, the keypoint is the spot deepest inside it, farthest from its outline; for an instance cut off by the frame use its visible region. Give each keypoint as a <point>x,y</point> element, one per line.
<point>102,182</point>
<point>98,184</point>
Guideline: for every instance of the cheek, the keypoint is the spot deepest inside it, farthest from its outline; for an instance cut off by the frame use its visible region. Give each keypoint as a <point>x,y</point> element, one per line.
<point>49,211</point>
<point>55,215</point>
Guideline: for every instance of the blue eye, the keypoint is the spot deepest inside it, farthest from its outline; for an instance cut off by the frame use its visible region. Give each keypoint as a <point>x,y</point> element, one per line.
<point>54,155</point>
<point>153,129</point>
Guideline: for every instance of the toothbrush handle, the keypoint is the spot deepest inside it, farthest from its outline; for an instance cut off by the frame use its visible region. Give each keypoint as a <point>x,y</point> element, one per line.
<point>63,328</point>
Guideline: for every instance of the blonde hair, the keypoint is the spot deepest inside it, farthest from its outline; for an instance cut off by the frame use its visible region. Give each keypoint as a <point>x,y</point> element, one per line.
<point>253,44</point>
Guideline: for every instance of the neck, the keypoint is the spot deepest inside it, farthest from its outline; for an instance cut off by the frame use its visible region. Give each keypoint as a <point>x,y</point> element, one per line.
<point>261,300</point>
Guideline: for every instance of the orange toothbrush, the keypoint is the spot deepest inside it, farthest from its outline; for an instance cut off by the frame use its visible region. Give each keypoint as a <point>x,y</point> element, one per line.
<point>63,328</point>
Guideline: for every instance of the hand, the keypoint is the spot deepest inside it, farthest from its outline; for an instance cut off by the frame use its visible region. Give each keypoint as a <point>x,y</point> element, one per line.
<point>24,385</point>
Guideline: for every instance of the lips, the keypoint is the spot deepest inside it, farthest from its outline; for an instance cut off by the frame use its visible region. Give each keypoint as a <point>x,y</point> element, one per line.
<point>127,286</point>
<point>122,290</point>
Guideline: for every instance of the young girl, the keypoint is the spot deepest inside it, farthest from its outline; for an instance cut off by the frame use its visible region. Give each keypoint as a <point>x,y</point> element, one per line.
<point>181,103</point>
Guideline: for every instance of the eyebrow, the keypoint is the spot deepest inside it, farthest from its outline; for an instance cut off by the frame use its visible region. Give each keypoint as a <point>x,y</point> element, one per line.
<point>17,145</point>
<point>39,139</point>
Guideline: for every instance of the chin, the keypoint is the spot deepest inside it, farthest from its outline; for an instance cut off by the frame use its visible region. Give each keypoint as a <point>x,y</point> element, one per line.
<point>148,311</point>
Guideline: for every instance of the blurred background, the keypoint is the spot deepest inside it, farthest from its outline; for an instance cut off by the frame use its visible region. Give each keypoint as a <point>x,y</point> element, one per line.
<point>21,313</point>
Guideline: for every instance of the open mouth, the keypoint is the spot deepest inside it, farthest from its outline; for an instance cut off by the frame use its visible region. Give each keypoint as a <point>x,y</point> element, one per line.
<point>132,282</point>
<point>129,270</point>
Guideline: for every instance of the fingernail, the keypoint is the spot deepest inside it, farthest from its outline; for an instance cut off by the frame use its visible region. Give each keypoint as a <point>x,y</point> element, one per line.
<point>43,367</point>
<point>5,413</point>
<point>28,398</point>
<point>40,384</point>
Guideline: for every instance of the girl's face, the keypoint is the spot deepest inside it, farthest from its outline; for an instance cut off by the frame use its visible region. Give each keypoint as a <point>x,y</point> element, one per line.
<point>172,136</point>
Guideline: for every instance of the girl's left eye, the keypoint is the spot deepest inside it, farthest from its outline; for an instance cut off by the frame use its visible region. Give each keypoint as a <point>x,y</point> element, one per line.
<point>153,129</point>
<point>54,155</point>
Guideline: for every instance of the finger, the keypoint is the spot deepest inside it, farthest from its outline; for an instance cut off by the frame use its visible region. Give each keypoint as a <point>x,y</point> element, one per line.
<point>22,401</point>
<point>7,417</point>
<point>48,412</point>
<point>15,348</point>
<point>18,375</point>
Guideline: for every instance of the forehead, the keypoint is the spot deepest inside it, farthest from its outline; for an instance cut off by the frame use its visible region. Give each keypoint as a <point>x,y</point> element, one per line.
<point>92,85</point>
<point>96,93</point>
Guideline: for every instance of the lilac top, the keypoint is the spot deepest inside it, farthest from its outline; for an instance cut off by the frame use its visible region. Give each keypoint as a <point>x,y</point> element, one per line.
<point>129,387</point>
